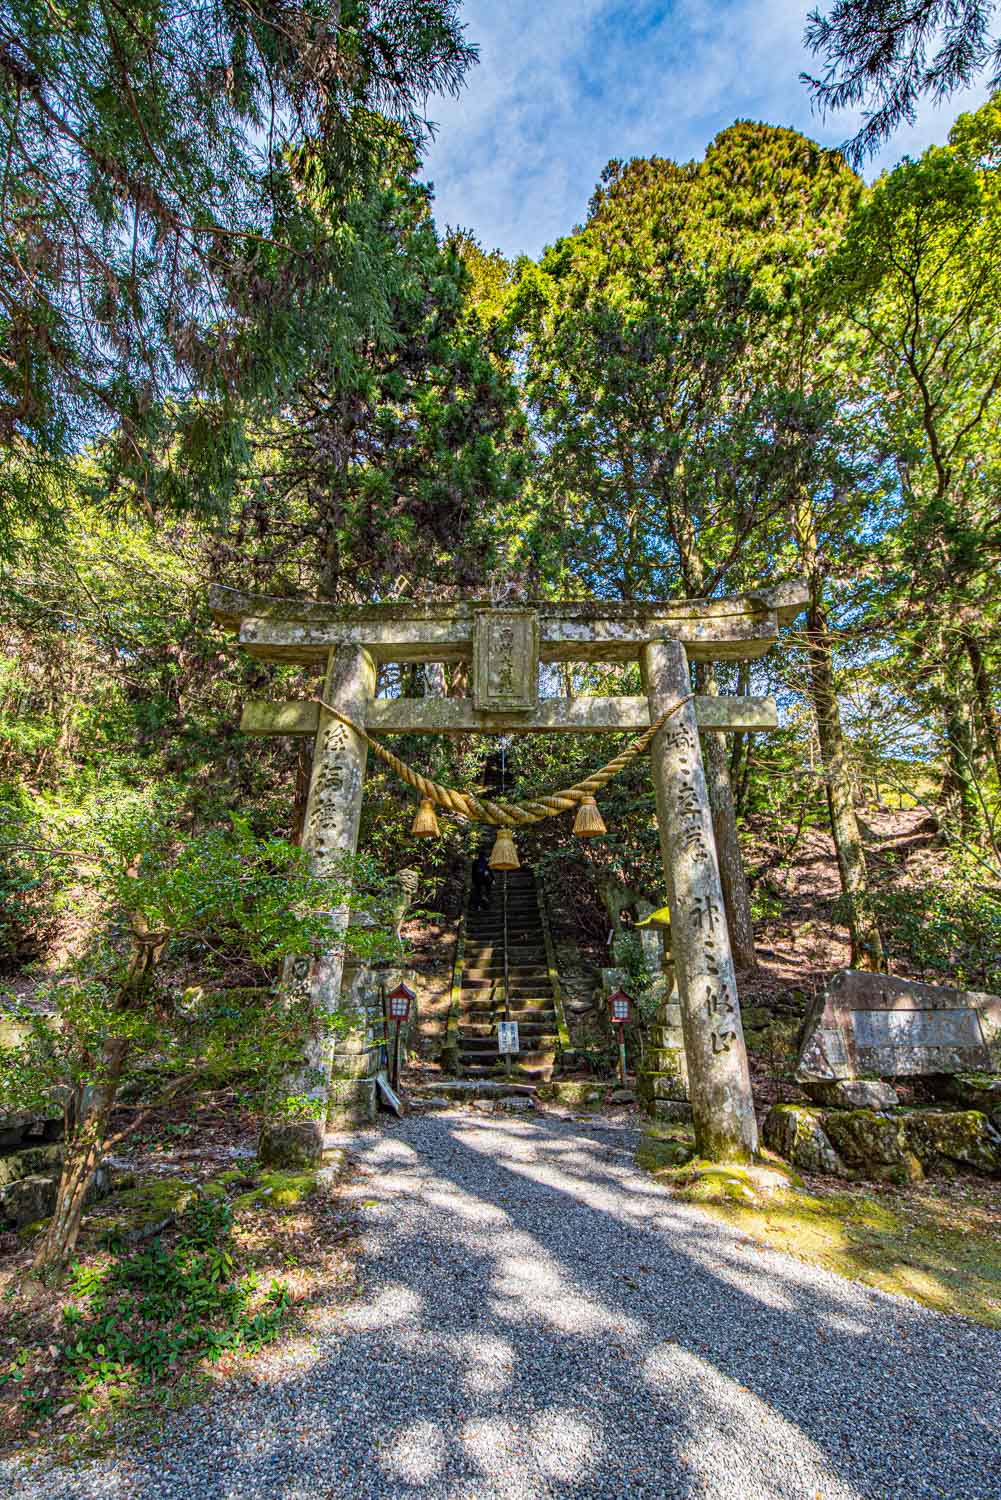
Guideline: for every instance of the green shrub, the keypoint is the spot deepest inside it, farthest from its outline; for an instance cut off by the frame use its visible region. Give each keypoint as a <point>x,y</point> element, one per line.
<point>136,1320</point>
<point>945,931</point>
<point>28,883</point>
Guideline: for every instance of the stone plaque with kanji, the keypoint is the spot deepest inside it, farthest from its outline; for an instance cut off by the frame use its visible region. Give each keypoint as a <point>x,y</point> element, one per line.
<point>506,660</point>
<point>879,1025</point>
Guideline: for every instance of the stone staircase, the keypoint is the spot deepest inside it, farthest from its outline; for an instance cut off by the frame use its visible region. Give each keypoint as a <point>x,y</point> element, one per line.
<point>533,995</point>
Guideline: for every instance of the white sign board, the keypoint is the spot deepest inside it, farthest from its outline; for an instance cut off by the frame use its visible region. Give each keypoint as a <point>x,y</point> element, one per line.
<point>507,1036</point>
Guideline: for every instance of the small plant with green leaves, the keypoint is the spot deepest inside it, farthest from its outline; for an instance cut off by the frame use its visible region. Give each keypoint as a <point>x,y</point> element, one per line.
<point>137,885</point>
<point>137,1319</point>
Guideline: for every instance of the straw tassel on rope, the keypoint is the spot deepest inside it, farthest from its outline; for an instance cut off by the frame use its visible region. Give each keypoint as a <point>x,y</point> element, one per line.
<point>425,824</point>
<point>589,824</point>
<point>504,855</point>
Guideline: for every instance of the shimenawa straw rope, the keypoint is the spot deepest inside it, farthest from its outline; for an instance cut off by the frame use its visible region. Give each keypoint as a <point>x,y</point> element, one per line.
<point>508,814</point>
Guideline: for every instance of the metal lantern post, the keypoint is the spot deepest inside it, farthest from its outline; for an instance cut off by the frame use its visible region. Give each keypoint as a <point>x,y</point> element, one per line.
<point>620,1007</point>
<point>399,1002</point>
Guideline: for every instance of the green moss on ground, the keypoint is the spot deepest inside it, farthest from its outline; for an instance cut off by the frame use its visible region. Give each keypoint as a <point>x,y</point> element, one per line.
<point>936,1242</point>
<point>671,1144</point>
<point>580,1093</point>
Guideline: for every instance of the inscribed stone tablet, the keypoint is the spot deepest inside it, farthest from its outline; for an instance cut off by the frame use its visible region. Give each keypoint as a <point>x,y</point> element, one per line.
<point>917,1028</point>
<point>506,660</point>
<point>879,1024</point>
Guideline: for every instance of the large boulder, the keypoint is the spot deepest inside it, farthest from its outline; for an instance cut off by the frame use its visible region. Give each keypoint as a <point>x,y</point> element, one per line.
<point>852,1093</point>
<point>30,1162</point>
<point>875,1145</point>
<point>27,1200</point>
<point>970,1091</point>
<point>796,1133</point>
<point>893,1146</point>
<point>950,1140</point>
<point>27,1130</point>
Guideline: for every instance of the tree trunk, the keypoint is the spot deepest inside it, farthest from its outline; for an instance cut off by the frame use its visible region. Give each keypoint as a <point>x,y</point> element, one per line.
<point>867,945</point>
<point>303,775</point>
<point>80,1163</point>
<point>740,743</point>
<point>85,1145</point>
<point>736,897</point>
<point>958,784</point>
<point>990,720</point>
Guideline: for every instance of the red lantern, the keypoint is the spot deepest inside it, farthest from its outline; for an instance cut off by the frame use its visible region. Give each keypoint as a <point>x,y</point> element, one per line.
<point>619,1007</point>
<point>400,1001</point>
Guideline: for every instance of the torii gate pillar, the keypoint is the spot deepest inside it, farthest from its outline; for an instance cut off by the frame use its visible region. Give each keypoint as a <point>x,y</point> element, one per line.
<point>330,834</point>
<point>718,1077</point>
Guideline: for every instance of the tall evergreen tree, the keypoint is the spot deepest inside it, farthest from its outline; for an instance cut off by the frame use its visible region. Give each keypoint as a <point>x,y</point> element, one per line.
<point>180,227</point>
<point>887,57</point>
<point>657,380</point>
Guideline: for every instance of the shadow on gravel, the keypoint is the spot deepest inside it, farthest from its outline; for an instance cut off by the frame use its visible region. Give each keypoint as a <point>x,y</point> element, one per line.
<point>540,1320</point>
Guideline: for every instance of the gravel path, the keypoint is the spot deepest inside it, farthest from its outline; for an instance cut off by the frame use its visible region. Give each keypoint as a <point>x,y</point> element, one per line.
<point>540,1320</point>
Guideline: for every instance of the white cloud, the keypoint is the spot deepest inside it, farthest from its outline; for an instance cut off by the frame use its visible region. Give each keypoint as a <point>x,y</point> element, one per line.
<point>563,87</point>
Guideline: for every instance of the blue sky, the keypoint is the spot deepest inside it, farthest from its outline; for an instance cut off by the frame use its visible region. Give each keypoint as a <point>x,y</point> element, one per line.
<point>564,85</point>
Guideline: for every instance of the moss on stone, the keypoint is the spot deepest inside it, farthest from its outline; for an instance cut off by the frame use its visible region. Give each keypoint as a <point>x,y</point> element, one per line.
<point>223,1183</point>
<point>796,1133</point>
<point>30,1161</point>
<point>573,1091</point>
<point>29,1231</point>
<point>876,1144</point>
<point>661,1146</point>
<point>718,1184</point>
<point>670,1157</point>
<point>277,1189</point>
<point>946,1140</point>
<point>291,1144</point>
<point>137,1210</point>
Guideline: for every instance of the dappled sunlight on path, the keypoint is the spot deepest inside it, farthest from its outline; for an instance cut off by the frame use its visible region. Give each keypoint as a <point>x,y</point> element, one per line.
<point>540,1319</point>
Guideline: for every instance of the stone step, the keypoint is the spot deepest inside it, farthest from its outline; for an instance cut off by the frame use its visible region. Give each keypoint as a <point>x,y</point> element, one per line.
<point>528,1056</point>
<point>537,1072</point>
<point>517,974</point>
<point>460,1088</point>
<point>525,956</point>
<point>537,974</point>
<point>544,1025</point>
<point>520,901</point>
<point>515,971</point>
<point>526,983</point>
<point>529,1010</point>
<point>486,1046</point>
<point>495,924</point>
<point>517,937</point>
<point>496,949</point>
<point>485,920</point>
<point>522,1008</point>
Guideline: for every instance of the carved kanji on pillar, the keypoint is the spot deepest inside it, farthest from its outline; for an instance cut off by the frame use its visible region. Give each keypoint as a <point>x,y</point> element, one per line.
<point>719,1080</point>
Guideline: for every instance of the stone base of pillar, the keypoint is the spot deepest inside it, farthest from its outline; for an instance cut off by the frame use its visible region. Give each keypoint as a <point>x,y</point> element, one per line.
<point>288,1144</point>
<point>352,1096</point>
<point>668,1109</point>
<point>662,1082</point>
<point>351,1103</point>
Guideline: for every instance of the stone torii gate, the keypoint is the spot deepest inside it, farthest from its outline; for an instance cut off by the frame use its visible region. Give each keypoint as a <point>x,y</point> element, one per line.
<point>505,646</point>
